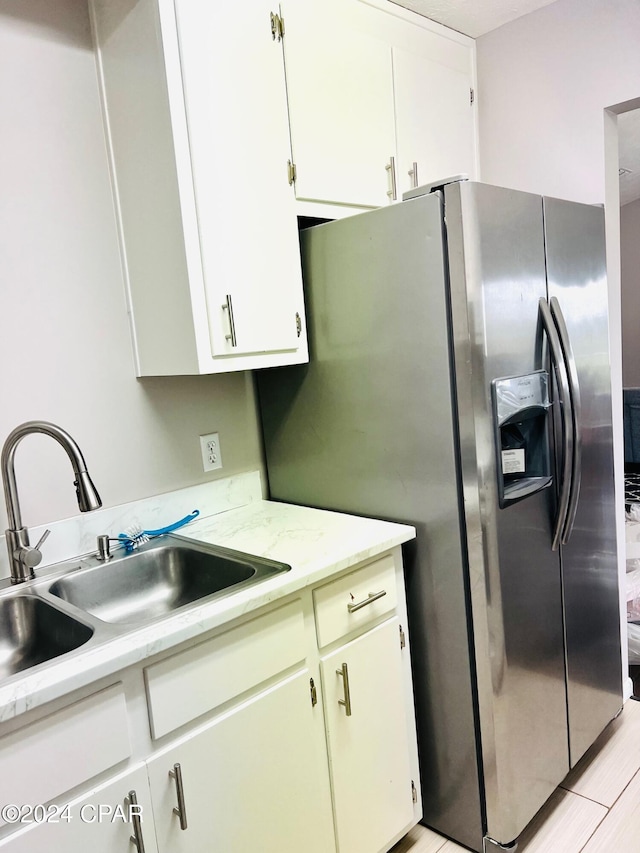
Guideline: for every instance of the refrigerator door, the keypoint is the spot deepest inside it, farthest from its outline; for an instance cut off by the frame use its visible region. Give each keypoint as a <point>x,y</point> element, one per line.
<point>497,269</point>
<point>574,236</point>
<point>368,427</point>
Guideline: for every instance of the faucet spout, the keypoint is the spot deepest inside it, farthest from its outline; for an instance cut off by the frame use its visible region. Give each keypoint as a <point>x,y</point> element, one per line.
<point>21,555</point>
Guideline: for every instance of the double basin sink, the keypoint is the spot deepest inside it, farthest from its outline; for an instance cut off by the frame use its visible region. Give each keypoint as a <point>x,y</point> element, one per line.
<point>93,601</point>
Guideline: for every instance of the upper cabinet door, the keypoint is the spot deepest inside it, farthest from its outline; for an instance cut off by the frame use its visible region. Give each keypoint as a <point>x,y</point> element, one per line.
<point>434,120</point>
<point>340,103</point>
<point>236,110</point>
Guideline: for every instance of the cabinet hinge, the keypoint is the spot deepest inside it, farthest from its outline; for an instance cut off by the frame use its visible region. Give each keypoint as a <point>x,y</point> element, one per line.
<point>291,172</point>
<point>314,693</point>
<point>277,26</point>
<point>414,792</point>
<point>403,639</point>
<point>472,96</point>
<point>298,324</point>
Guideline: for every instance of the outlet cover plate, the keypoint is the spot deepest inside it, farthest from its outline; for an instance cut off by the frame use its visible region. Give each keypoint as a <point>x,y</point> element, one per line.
<point>211,454</point>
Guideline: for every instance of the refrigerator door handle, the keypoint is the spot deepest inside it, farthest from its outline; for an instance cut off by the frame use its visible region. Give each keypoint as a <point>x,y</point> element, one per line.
<point>576,410</point>
<point>564,394</point>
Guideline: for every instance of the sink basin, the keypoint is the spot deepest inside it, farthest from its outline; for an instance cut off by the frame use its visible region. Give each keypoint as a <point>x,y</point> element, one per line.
<point>33,631</point>
<point>159,578</point>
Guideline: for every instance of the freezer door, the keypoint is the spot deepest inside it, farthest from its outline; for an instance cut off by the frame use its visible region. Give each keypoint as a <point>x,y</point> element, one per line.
<point>574,236</point>
<point>497,263</point>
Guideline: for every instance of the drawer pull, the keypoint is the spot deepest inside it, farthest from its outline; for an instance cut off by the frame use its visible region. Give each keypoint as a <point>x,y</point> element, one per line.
<point>373,596</point>
<point>180,809</point>
<point>346,702</point>
<point>136,838</point>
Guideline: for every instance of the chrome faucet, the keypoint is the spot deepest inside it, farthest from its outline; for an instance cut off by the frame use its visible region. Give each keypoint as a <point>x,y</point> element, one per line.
<point>23,557</point>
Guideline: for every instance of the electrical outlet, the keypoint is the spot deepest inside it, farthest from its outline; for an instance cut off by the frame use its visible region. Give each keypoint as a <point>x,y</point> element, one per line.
<point>211,455</point>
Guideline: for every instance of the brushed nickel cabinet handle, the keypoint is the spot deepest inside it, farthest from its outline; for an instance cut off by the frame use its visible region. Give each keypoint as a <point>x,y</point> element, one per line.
<point>180,809</point>
<point>373,596</point>
<point>346,702</point>
<point>413,174</point>
<point>391,168</point>
<point>136,838</point>
<point>228,307</point>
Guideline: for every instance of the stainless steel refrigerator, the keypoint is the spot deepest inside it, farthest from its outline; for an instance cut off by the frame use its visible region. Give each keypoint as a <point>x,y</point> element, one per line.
<point>459,381</point>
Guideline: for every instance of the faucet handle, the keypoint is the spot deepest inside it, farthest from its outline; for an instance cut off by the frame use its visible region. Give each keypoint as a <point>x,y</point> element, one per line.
<point>32,556</point>
<point>42,539</point>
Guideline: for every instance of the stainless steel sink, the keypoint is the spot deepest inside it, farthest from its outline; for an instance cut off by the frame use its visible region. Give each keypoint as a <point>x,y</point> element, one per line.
<point>160,577</point>
<point>33,631</point>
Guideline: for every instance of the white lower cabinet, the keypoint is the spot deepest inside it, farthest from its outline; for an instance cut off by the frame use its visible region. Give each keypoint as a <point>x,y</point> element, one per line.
<point>47,757</point>
<point>368,741</point>
<point>104,821</point>
<point>251,780</point>
<point>239,740</point>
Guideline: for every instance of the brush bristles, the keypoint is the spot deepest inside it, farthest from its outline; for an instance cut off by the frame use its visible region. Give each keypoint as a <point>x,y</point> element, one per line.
<point>136,536</point>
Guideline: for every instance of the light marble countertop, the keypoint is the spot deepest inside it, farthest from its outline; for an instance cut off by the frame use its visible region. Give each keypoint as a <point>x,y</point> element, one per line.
<point>315,543</point>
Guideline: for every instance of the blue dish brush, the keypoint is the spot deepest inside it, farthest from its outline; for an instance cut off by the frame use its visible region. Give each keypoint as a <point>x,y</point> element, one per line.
<point>134,535</point>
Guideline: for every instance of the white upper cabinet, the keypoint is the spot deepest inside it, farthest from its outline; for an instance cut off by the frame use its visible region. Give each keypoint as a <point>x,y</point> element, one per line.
<point>340,93</point>
<point>206,107</point>
<point>434,121</point>
<point>195,103</point>
<point>373,89</point>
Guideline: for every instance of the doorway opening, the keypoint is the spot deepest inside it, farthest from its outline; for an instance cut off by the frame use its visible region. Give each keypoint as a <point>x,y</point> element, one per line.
<point>622,194</point>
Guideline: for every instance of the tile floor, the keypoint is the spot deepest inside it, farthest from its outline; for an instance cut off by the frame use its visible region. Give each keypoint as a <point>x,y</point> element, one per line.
<point>596,809</point>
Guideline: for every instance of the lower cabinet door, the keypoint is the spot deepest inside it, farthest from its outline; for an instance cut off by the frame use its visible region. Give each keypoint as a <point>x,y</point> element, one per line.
<point>105,821</point>
<point>368,741</point>
<point>252,780</point>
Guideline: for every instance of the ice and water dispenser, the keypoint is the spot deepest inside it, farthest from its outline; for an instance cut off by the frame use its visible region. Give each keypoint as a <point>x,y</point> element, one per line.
<point>521,407</point>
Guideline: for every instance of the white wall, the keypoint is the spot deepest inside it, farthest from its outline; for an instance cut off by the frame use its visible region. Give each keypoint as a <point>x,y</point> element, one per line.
<point>630,279</point>
<point>544,84</point>
<point>65,350</point>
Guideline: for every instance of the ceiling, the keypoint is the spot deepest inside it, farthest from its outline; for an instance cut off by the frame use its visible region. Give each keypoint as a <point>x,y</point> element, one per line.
<point>473,17</point>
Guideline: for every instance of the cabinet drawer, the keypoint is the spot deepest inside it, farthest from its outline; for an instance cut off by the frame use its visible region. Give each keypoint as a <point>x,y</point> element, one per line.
<point>49,757</point>
<point>353,601</point>
<point>195,681</point>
